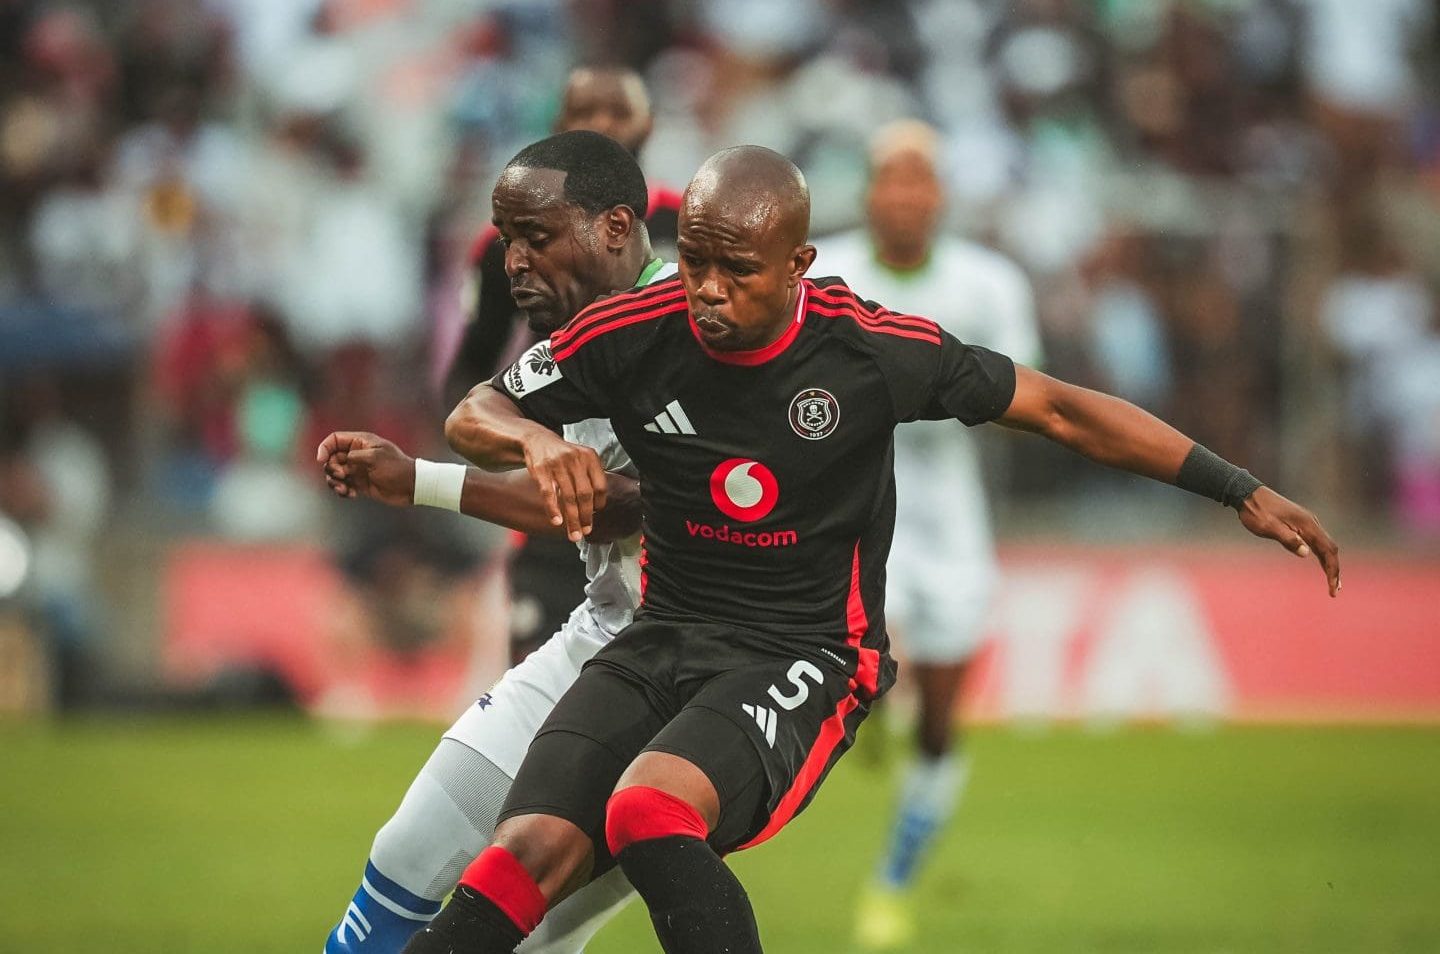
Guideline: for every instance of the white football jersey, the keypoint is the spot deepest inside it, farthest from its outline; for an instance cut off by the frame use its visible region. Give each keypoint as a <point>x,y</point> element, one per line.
<point>981,297</point>
<point>612,569</point>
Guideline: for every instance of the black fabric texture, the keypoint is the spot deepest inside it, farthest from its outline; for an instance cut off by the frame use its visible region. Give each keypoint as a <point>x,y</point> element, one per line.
<point>470,922</point>
<point>696,903</point>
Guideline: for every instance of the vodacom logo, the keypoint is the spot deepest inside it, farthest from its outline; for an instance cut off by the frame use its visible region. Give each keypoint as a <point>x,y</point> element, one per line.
<point>744,489</point>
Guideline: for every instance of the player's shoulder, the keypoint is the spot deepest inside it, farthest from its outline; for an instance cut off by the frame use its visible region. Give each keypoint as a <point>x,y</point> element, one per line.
<point>837,309</point>
<point>637,313</point>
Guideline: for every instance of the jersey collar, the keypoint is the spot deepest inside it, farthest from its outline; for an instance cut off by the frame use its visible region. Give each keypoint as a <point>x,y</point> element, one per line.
<point>759,355</point>
<point>648,275</point>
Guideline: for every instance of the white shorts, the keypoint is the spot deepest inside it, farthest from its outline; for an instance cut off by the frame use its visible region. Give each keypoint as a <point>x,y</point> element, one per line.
<point>502,722</point>
<point>938,604</point>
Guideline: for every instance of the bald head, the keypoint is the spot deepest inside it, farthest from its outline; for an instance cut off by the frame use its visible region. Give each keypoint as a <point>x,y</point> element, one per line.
<point>742,247</point>
<point>757,187</point>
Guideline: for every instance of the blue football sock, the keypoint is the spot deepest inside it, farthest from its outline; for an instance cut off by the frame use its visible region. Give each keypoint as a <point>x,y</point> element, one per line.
<point>932,787</point>
<point>381,917</point>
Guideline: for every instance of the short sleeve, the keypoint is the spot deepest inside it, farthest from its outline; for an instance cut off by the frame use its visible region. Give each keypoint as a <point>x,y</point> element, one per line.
<point>954,380</point>
<point>575,374</point>
<point>552,392</point>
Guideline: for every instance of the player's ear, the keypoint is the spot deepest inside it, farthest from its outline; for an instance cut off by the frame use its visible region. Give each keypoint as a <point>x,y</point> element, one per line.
<point>617,225</point>
<point>800,262</point>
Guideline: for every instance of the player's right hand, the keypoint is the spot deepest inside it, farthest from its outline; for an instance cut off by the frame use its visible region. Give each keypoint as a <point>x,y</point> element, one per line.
<point>360,464</point>
<point>571,479</point>
<point>1267,514</point>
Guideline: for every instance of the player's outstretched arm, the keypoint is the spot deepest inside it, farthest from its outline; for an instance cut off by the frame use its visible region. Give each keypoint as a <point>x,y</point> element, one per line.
<point>489,429</point>
<point>1114,432</point>
<point>360,464</point>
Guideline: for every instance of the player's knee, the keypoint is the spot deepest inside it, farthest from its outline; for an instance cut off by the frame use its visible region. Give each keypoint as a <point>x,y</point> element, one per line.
<point>642,813</point>
<point>556,853</point>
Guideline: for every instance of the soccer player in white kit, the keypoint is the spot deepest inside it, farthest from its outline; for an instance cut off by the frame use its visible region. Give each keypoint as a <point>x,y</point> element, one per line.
<point>566,209</point>
<point>942,572</point>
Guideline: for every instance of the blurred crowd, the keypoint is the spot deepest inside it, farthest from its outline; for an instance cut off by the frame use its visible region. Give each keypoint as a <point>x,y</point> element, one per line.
<point>229,226</point>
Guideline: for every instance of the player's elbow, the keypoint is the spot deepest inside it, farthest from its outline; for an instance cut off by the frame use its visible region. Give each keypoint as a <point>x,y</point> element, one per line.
<point>460,431</point>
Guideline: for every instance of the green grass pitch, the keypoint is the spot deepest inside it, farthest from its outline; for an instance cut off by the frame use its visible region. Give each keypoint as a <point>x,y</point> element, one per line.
<point>245,835</point>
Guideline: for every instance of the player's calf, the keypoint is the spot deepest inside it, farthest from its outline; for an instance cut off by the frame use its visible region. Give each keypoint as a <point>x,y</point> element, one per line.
<point>536,861</point>
<point>696,904</point>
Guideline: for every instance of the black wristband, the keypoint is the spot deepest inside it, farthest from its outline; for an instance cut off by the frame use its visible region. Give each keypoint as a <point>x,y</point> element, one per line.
<point>1211,476</point>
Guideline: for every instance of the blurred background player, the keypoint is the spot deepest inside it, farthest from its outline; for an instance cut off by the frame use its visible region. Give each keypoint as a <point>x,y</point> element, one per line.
<point>545,580</point>
<point>941,573</point>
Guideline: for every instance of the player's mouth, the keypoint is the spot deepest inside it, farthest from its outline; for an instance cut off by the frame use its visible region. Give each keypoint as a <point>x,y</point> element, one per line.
<point>527,298</point>
<point>713,328</point>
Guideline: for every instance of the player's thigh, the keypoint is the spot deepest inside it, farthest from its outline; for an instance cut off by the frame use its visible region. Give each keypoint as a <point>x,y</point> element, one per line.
<point>765,735</point>
<point>503,721</point>
<point>596,729</point>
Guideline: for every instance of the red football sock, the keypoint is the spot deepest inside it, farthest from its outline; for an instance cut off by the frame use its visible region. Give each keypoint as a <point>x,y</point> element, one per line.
<point>499,876</point>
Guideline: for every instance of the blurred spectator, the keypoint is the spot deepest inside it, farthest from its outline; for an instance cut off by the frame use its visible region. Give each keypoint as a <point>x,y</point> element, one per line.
<point>356,272</point>
<point>276,198</point>
<point>1380,318</point>
<point>55,482</point>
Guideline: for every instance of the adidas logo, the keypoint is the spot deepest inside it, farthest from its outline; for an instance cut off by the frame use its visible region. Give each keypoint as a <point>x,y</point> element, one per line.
<point>672,420</point>
<point>764,718</point>
<point>356,923</point>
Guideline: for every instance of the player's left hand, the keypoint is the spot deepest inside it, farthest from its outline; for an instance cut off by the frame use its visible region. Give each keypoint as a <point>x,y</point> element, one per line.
<point>1267,514</point>
<point>360,464</point>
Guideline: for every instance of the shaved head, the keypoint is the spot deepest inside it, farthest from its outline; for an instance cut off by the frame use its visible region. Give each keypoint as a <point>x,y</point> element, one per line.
<point>759,187</point>
<point>743,254</point>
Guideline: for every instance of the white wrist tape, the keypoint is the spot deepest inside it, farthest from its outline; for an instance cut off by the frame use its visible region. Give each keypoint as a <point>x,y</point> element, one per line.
<point>438,485</point>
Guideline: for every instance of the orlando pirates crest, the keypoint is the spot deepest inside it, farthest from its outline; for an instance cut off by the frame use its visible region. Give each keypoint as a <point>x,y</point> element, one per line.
<point>814,414</point>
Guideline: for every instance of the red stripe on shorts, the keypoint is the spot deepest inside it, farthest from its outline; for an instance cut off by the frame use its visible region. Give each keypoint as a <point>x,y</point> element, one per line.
<point>832,733</point>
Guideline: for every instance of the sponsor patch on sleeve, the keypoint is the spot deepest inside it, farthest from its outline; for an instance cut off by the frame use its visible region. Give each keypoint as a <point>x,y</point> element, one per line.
<point>535,369</point>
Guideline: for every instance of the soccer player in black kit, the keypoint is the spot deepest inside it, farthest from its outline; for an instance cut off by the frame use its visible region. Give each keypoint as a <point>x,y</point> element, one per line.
<point>759,407</point>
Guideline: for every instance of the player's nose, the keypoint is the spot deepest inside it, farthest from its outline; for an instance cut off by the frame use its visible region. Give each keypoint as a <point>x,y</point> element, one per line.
<point>516,261</point>
<point>710,290</point>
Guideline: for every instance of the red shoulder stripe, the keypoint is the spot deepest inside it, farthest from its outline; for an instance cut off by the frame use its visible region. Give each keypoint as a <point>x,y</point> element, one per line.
<point>600,325</point>
<point>879,327</point>
<point>883,320</point>
<point>610,307</point>
<point>571,345</point>
<point>852,300</point>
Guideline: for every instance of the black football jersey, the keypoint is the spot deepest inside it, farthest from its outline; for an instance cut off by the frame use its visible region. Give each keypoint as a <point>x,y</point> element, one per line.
<point>767,483</point>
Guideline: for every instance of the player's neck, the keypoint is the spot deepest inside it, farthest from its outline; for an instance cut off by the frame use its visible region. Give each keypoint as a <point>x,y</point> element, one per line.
<point>634,266</point>
<point>902,260</point>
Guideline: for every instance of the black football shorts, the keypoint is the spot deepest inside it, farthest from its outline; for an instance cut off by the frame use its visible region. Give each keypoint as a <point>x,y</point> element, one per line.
<point>764,726</point>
